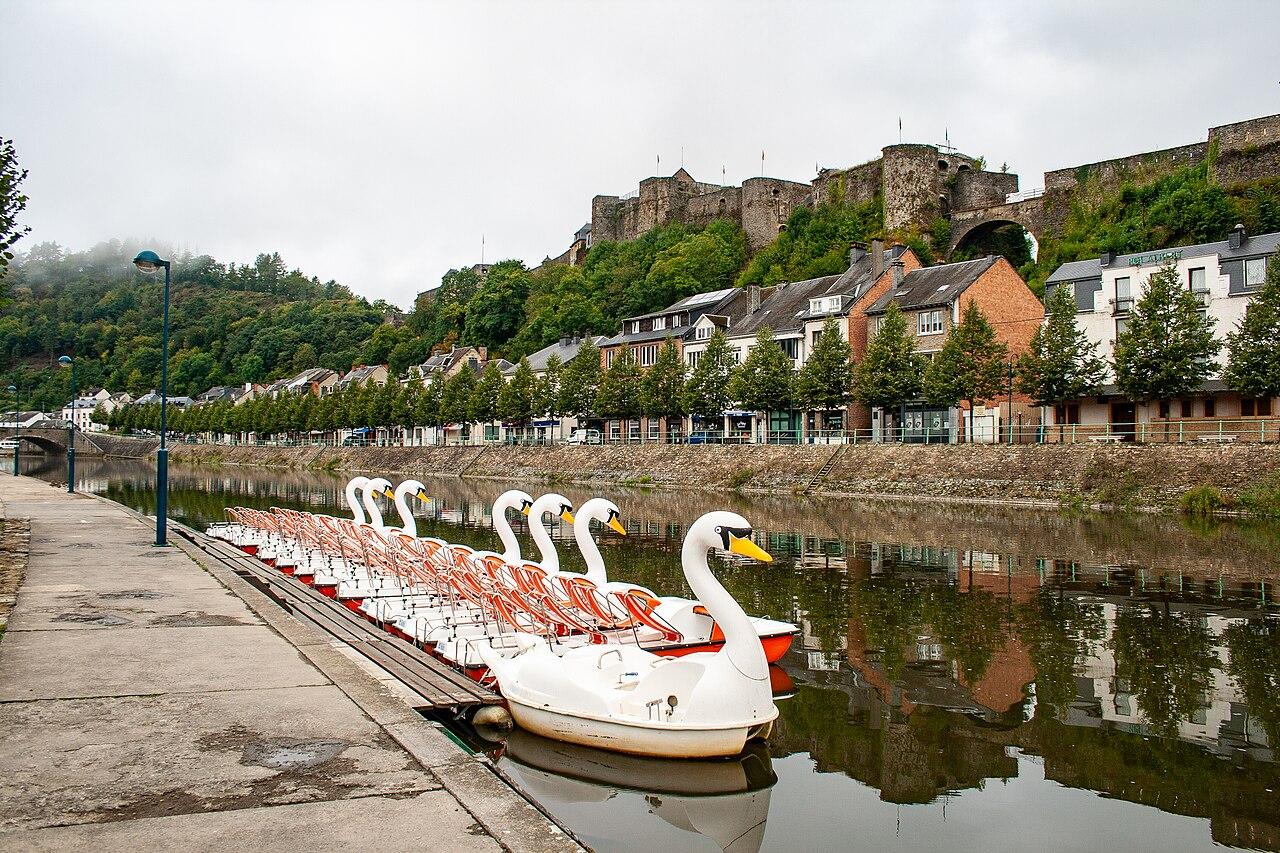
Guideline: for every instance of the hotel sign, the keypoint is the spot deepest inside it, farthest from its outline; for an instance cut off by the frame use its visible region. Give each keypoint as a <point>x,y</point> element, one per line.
<point>1155,258</point>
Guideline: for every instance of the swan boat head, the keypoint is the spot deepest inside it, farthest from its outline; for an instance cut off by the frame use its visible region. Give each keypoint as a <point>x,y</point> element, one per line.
<point>606,512</point>
<point>354,490</point>
<point>404,491</point>
<point>561,507</point>
<point>510,499</point>
<point>376,487</point>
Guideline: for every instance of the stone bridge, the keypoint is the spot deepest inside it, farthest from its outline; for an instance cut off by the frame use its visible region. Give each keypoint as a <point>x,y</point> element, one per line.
<point>973,224</point>
<point>53,440</point>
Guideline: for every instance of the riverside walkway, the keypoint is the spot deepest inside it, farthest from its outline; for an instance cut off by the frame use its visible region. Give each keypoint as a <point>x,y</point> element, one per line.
<point>152,700</point>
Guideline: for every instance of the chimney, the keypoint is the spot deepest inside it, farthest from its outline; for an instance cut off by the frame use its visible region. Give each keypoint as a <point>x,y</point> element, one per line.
<point>1107,258</point>
<point>897,274</point>
<point>753,293</point>
<point>877,258</point>
<point>1237,237</point>
<point>856,253</point>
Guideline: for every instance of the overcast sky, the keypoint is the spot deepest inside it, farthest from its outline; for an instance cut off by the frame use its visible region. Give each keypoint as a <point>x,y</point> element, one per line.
<point>374,143</point>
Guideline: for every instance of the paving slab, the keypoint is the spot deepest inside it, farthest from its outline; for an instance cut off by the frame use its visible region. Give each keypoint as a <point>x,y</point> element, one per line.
<point>159,660</point>
<point>431,821</point>
<point>151,699</point>
<point>89,760</point>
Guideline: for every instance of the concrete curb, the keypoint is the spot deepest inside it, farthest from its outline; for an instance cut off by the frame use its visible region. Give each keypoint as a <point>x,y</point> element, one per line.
<point>518,824</point>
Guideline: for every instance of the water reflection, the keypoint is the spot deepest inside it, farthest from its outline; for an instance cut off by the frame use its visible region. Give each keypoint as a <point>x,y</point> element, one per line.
<point>967,678</point>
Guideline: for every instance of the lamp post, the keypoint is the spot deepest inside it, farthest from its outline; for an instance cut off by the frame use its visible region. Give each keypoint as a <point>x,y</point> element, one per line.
<point>149,262</point>
<point>68,361</point>
<point>17,413</point>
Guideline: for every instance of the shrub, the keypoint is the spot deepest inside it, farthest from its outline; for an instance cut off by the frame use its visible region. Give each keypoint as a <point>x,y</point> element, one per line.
<point>1201,500</point>
<point>740,478</point>
<point>1262,498</point>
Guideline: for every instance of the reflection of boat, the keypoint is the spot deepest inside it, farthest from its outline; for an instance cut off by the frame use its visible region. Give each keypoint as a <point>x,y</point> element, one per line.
<point>726,801</point>
<point>780,683</point>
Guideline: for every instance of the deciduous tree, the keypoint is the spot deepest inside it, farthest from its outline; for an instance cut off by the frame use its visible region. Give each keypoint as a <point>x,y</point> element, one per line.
<point>1061,364</point>
<point>762,383</point>
<point>970,366</point>
<point>1168,348</point>
<point>706,394</point>
<point>1253,349</point>
<point>662,389</point>
<point>825,383</point>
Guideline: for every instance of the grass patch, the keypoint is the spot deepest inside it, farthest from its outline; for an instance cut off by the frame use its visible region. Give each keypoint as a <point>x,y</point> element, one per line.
<point>1202,501</point>
<point>1073,503</point>
<point>742,477</point>
<point>1262,499</point>
<point>642,480</point>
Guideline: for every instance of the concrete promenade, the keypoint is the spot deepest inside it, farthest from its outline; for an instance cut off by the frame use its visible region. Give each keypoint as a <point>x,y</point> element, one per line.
<point>150,701</point>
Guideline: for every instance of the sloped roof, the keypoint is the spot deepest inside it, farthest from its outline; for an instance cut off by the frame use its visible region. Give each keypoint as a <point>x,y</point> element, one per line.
<point>566,350</point>
<point>929,287</point>
<point>783,307</point>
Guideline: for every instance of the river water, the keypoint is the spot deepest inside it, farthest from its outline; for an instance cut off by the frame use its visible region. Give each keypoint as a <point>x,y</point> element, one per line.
<point>968,678</point>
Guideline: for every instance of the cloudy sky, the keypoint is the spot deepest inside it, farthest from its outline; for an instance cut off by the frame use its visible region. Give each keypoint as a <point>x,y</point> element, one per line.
<point>376,142</point>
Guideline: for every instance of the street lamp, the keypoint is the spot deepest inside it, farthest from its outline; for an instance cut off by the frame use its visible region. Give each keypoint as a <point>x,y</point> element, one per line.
<point>68,361</point>
<point>17,413</point>
<point>149,262</point>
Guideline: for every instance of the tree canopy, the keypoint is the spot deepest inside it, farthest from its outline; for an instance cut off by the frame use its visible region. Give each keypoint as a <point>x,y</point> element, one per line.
<point>1168,347</point>
<point>825,382</point>
<point>1061,363</point>
<point>891,373</point>
<point>1253,348</point>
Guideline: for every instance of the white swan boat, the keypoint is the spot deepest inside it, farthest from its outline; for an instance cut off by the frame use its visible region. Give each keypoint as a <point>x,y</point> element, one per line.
<point>625,699</point>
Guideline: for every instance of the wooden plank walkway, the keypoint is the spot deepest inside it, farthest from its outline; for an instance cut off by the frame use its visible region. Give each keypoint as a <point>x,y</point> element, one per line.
<point>435,685</point>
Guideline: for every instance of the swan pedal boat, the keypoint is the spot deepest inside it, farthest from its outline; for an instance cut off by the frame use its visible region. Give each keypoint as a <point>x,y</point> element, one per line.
<point>625,699</point>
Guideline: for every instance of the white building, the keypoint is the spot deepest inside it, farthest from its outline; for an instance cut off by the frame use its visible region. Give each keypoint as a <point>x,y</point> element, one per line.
<point>1223,275</point>
<point>80,410</point>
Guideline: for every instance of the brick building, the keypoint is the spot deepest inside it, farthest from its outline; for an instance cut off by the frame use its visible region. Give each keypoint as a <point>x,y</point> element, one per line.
<point>934,300</point>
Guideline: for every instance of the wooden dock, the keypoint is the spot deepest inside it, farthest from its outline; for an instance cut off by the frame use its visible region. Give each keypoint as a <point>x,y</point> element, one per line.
<point>432,684</point>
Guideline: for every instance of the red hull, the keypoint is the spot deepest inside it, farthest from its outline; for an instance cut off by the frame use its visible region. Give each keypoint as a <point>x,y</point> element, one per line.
<point>775,646</point>
<point>288,570</point>
<point>251,550</point>
<point>353,604</point>
<point>270,561</point>
<point>309,580</point>
<point>327,590</point>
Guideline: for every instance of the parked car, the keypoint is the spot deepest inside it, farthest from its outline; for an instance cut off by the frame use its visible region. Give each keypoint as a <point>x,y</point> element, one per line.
<point>355,441</point>
<point>584,436</point>
<point>8,445</point>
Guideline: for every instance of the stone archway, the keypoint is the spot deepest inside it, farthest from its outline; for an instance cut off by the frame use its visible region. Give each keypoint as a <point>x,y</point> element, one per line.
<point>44,442</point>
<point>976,226</point>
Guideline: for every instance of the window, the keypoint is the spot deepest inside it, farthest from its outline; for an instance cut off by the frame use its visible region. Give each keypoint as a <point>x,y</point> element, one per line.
<point>791,346</point>
<point>608,358</point>
<point>1196,280</point>
<point>1122,326</point>
<point>1186,408</point>
<point>703,333</point>
<point>1210,407</point>
<point>929,322</point>
<point>1255,270</point>
<point>635,327</point>
<point>1164,408</point>
<point>648,354</point>
<point>1259,406</point>
<point>659,323</point>
<point>1124,298</point>
<point>813,338</point>
<point>1067,414</point>
<point>693,358</point>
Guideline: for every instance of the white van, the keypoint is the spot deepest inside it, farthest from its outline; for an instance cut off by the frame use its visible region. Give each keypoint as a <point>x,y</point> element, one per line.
<point>584,436</point>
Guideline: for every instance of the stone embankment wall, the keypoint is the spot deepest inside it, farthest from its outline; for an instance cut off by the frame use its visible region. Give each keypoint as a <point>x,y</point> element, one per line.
<point>1152,475</point>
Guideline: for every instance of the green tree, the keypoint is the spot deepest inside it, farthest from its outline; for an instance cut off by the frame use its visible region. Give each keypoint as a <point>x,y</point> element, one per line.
<point>706,394</point>
<point>662,388</point>
<point>1061,364</point>
<point>484,396</point>
<point>825,383</point>
<point>305,358</point>
<point>580,382</point>
<point>892,372</point>
<point>1253,363</point>
<point>518,398</point>
<point>430,402</point>
<point>762,383</point>
<point>1168,348</point>
<point>12,203</point>
<point>970,366</point>
<point>619,393</point>
<point>546,397</point>
<point>496,309</point>
<point>455,397</point>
